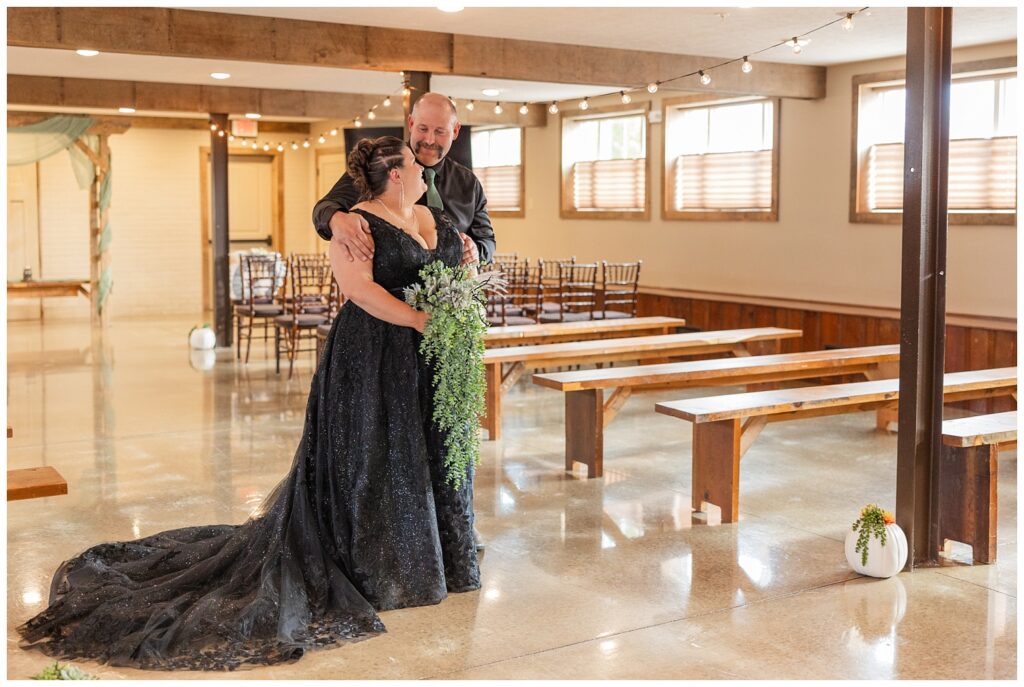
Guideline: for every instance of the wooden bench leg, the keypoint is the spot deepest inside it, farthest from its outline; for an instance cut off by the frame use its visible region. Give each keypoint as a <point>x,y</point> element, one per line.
<point>967,498</point>
<point>491,421</point>
<point>584,430</point>
<point>885,417</point>
<point>716,466</point>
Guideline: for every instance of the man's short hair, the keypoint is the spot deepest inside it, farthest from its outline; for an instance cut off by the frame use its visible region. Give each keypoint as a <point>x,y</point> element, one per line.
<point>451,103</point>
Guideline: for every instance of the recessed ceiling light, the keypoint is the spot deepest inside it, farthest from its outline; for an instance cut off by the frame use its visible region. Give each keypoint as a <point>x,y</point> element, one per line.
<point>126,110</point>
<point>220,75</point>
<point>84,52</point>
<point>490,92</point>
<point>450,7</point>
<point>252,115</point>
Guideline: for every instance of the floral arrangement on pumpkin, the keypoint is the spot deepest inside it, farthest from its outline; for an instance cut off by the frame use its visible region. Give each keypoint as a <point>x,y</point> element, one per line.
<point>454,342</point>
<point>872,521</point>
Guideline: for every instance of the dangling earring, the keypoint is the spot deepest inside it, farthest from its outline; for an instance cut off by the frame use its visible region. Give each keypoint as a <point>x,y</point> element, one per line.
<point>401,194</point>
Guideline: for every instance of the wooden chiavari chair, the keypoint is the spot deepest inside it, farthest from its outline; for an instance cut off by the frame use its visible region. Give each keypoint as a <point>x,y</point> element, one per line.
<point>260,275</point>
<point>620,283</point>
<point>577,293</point>
<point>305,307</point>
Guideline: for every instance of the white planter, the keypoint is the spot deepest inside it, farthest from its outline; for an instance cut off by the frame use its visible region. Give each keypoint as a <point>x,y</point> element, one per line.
<point>883,561</point>
<point>202,339</point>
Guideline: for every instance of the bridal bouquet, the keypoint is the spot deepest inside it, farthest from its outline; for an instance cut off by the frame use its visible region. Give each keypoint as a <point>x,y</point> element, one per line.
<point>454,342</point>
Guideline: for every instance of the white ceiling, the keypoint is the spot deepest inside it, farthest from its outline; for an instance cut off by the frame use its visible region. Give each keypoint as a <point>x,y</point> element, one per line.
<point>725,32</point>
<point>712,31</point>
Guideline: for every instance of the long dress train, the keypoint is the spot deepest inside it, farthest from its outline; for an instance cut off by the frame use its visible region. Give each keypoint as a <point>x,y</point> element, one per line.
<point>364,521</point>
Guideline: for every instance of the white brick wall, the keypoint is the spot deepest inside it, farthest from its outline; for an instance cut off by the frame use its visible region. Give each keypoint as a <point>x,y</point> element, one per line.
<point>156,254</point>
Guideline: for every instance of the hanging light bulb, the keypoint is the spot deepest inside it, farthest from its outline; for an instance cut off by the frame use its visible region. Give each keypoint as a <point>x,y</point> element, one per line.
<point>524,110</point>
<point>230,138</point>
<point>797,48</point>
<point>358,123</point>
<point>213,127</point>
<point>255,145</point>
<point>305,144</point>
<point>322,139</point>
<point>626,98</point>
<point>848,22</point>
<point>295,146</point>
<point>585,104</point>
<point>280,148</point>
<point>406,91</point>
<point>652,87</point>
<point>553,107</point>
<point>266,146</point>
<point>371,115</point>
<point>387,102</point>
<point>334,132</point>
<point>470,106</point>
<point>220,132</point>
<point>705,78</point>
<point>497,109</point>
<point>747,67</point>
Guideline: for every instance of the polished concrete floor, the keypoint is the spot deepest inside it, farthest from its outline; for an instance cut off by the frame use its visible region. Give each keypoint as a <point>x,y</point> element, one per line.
<point>582,578</point>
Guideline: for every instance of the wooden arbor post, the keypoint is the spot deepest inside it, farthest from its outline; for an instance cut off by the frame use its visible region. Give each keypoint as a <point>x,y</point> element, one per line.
<point>922,321</point>
<point>100,281</point>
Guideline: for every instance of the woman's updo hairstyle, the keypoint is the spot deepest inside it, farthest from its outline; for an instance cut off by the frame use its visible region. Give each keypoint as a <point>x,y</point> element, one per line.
<point>371,160</point>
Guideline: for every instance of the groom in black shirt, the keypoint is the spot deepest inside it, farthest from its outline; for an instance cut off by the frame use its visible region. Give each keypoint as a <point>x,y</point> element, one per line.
<point>451,187</point>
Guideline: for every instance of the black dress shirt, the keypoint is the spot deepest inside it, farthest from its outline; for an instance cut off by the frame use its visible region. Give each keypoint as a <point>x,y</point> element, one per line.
<point>460,191</point>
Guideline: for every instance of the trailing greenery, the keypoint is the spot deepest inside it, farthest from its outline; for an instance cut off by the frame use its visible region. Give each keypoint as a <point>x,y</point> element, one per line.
<point>63,672</point>
<point>872,521</point>
<point>453,341</point>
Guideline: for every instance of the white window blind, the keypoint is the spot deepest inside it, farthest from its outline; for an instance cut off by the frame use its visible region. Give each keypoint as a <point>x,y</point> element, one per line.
<point>739,181</point>
<point>982,175</point>
<point>609,184</point>
<point>501,186</point>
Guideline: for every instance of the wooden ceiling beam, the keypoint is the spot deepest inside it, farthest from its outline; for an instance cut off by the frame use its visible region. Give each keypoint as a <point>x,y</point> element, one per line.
<point>214,35</point>
<point>54,91</point>
<point>22,118</point>
<point>170,97</point>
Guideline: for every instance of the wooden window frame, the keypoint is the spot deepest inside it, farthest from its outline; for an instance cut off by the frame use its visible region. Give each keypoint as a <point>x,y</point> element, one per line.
<point>566,210</point>
<point>668,212</point>
<point>858,167</point>
<point>521,212</point>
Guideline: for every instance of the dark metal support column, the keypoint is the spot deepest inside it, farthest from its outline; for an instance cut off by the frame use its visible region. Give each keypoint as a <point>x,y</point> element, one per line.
<point>419,83</point>
<point>219,211</point>
<point>923,300</point>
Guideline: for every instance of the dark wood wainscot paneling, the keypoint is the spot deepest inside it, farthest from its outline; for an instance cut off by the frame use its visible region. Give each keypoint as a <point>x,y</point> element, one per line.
<point>967,348</point>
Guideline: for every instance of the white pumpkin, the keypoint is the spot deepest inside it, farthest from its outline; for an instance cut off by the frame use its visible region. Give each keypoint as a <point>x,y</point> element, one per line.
<point>883,561</point>
<point>202,338</point>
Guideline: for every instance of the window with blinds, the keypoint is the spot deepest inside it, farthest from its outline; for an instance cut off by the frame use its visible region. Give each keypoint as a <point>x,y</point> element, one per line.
<point>497,163</point>
<point>721,160</point>
<point>605,158</point>
<point>609,184</point>
<point>982,148</point>
<point>982,176</point>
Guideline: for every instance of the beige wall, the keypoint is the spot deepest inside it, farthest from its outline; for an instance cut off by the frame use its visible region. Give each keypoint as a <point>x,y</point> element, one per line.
<point>155,210</point>
<point>812,253</point>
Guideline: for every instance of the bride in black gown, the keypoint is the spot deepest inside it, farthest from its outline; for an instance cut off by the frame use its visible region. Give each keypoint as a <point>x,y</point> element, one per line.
<point>365,520</point>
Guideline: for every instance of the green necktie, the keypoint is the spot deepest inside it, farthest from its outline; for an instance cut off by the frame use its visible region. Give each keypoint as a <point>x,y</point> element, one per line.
<point>433,197</point>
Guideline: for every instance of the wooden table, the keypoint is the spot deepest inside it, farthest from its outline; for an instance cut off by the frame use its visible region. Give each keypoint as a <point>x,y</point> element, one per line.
<point>559,332</point>
<point>48,289</point>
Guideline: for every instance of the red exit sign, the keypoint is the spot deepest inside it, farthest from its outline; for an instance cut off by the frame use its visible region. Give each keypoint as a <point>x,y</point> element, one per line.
<point>246,128</point>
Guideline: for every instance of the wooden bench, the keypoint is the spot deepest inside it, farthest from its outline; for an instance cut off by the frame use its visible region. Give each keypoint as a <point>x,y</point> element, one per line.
<point>33,483</point>
<point>587,412</point>
<point>966,508</point>
<point>738,342</point>
<point>559,332</point>
<point>725,426</point>
<point>47,289</point>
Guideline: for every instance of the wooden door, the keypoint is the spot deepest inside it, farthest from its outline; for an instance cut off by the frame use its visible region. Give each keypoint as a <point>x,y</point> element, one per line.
<point>23,237</point>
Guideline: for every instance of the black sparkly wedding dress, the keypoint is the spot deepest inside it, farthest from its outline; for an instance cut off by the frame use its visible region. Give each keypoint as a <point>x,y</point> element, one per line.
<point>363,522</point>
